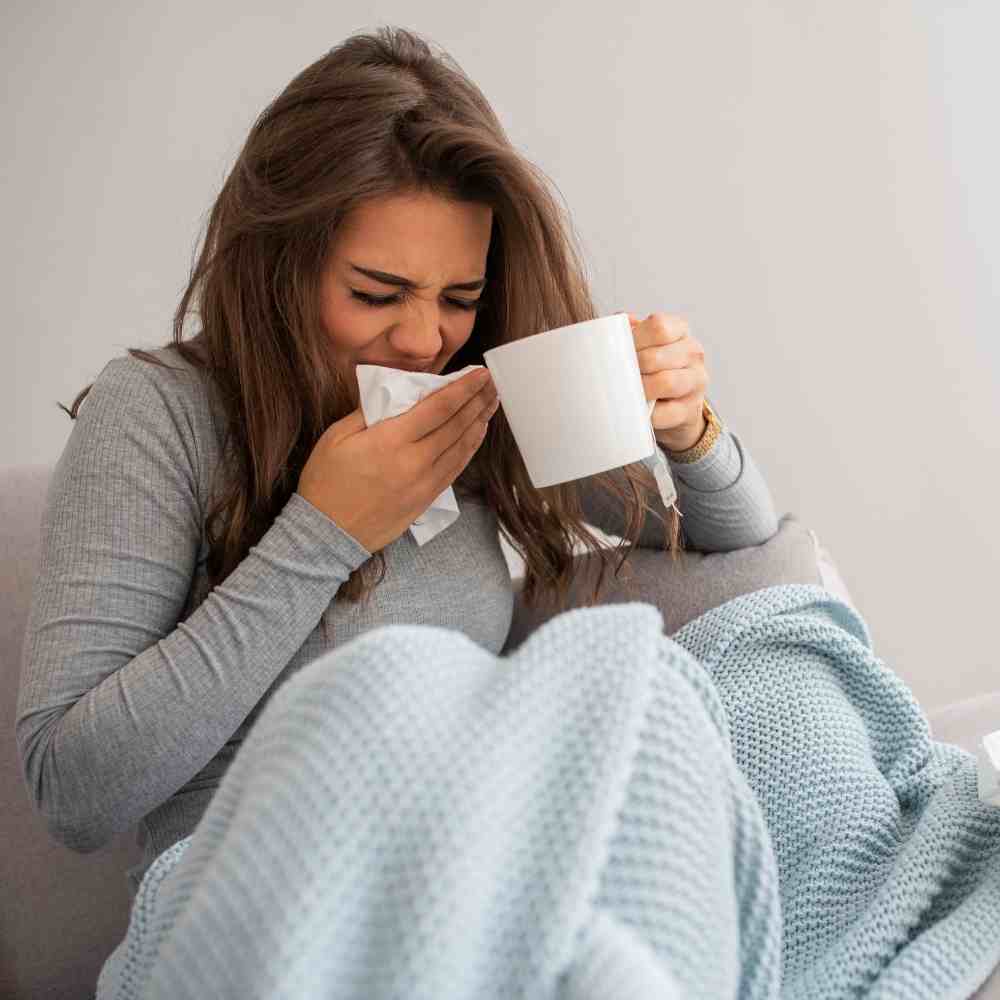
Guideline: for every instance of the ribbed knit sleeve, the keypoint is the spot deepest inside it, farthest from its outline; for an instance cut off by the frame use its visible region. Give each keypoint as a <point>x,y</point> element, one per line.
<point>120,703</point>
<point>723,497</point>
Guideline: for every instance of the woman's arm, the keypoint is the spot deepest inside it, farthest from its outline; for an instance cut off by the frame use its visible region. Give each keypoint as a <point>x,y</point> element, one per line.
<point>120,703</point>
<point>723,497</point>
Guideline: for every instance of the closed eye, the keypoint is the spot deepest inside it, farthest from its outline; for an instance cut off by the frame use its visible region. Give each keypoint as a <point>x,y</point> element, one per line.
<point>375,301</point>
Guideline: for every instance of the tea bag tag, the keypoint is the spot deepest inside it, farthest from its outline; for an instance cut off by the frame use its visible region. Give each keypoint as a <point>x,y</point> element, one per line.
<point>660,468</point>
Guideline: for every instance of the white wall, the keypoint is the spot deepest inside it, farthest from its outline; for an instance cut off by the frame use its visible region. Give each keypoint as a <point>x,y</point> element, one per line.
<point>812,187</point>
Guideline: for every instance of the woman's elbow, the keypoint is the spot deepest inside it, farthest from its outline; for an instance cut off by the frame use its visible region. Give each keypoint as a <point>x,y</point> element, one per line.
<point>68,811</point>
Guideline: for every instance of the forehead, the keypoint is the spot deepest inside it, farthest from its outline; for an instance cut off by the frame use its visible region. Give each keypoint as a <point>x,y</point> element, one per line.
<point>405,233</point>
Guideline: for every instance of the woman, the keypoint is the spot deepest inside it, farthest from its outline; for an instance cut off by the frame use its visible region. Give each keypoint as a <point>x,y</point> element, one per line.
<point>220,509</point>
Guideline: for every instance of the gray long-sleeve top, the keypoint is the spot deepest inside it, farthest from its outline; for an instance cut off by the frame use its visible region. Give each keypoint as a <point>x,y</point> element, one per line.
<point>138,684</point>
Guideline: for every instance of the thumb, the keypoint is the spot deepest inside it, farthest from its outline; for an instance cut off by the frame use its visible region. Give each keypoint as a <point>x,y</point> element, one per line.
<point>345,427</point>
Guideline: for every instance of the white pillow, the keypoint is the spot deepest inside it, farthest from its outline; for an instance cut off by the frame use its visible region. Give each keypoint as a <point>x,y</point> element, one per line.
<point>832,579</point>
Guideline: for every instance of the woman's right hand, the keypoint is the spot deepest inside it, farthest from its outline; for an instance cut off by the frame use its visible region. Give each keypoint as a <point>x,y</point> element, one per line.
<point>374,482</point>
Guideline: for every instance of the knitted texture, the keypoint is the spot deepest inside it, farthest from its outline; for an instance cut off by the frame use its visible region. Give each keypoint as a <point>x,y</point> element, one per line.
<point>752,807</point>
<point>705,443</point>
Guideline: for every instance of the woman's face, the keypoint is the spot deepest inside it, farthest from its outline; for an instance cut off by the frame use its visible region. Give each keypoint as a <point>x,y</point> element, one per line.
<point>433,243</point>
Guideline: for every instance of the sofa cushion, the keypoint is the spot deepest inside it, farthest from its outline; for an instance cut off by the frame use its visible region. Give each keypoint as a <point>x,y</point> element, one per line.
<point>63,912</point>
<point>698,582</point>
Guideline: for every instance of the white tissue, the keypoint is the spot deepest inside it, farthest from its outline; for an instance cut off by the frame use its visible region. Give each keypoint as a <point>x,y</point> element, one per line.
<point>988,758</point>
<point>388,392</point>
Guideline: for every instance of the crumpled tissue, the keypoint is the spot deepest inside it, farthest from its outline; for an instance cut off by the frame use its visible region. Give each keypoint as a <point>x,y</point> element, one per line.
<point>387,392</point>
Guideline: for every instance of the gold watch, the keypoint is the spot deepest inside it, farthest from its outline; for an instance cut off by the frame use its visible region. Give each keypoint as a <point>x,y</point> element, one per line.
<point>708,438</point>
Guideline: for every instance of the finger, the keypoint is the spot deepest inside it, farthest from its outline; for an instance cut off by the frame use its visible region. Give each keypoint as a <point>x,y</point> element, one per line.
<point>437,408</point>
<point>660,329</point>
<point>458,454</point>
<point>437,445</point>
<point>673,412</point>
<point>669,356</point>
<point>670,385</point>
<point>346,427</point>
<point>353,423</point>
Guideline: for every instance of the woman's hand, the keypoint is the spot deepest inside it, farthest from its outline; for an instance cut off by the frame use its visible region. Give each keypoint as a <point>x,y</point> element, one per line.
<point>672,364</point>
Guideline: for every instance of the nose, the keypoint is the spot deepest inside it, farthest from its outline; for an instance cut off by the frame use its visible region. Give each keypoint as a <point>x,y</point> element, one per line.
<point>417,339</point>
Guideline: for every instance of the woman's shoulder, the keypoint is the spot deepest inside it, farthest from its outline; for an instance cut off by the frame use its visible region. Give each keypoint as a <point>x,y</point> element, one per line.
<point>162,375</point>
<point>164,366</point>
<point>165,395</point>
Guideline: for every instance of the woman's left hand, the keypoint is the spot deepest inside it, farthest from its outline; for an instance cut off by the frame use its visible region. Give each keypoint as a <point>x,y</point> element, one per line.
<point>672,364</point>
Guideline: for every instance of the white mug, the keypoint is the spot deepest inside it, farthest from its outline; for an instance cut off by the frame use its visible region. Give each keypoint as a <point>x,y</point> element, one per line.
<point>574,399</point>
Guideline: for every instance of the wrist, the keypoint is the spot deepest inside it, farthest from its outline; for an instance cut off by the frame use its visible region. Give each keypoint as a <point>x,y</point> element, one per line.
<point>697,446</point>
<point>683,438</point>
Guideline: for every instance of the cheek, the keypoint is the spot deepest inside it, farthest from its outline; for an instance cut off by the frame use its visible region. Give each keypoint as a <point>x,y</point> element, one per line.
<point>458,331</point>
<point>350,325</point>
<point>456,335</point>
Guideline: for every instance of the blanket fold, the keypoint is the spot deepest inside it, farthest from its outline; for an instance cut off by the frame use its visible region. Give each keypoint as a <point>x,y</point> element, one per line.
<point>753,807</point>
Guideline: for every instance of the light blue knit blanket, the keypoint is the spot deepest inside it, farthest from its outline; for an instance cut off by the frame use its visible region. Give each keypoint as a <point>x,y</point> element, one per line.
<point>752,807</point>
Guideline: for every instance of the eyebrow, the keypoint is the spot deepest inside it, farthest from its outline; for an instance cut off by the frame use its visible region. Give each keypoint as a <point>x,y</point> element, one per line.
<point>395,279</point>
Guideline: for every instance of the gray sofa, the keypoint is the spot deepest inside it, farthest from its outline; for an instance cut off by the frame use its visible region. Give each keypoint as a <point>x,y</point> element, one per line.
<point>62,913</point>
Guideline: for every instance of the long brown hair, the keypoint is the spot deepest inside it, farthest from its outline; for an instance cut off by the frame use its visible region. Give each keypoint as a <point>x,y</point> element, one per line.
<point>379,115</point>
